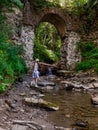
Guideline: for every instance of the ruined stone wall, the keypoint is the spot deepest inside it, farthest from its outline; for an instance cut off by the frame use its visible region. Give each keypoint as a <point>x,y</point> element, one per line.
<point>27,39</point>
<point>22,34</point>
<point>68,26</point>
<point>70,53</point>
<point>14,20</point>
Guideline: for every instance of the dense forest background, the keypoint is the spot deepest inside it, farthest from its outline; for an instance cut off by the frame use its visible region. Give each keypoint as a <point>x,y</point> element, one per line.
<point>47,41</point>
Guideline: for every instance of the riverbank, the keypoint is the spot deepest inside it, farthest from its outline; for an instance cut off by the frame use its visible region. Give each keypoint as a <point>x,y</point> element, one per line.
<point>15,114</point>
<point>13,109</point>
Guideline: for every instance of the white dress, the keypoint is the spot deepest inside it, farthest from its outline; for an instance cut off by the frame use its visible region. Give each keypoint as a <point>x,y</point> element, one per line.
<point>35,73</point>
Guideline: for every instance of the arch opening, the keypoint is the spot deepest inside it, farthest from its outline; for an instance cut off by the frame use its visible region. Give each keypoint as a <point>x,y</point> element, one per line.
<point>57,21</point>
<point>47,43</point>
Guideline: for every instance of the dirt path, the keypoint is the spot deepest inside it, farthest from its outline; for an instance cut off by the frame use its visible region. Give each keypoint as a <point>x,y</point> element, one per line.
<point>12,108</point>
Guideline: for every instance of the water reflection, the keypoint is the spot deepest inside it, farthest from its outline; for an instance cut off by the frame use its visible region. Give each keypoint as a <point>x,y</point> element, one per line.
<point>73,106</point>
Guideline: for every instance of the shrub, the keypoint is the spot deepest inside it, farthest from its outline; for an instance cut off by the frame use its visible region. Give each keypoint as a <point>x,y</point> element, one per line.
<point>89,54</point>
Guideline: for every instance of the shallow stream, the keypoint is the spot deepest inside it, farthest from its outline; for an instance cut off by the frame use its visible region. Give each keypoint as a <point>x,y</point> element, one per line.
<point>73,106</point>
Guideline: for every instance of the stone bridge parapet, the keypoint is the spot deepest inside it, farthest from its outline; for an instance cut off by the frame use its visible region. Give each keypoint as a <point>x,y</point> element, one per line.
<point>61,19</point>
<point>67,25</point>
<point>24,23</point>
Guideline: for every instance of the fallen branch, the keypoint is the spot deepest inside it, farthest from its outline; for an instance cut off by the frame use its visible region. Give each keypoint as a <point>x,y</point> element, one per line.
<point>46,64</point>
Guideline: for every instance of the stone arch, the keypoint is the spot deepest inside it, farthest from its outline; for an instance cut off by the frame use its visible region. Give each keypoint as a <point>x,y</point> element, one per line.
<point>67,26</point>
<point>56,20</point>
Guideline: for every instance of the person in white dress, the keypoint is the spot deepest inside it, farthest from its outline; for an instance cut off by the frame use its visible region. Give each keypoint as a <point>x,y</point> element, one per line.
<point>35,72</point>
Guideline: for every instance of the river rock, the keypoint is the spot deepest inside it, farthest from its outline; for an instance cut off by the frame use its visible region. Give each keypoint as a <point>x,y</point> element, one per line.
<point>24,124</point>
<point>46,83</point>
<point>94,99</point>
<point>2,129</point>
<point>40,102</point>
<point>95,85</point>
<point>89,86</point>
<point>70,85</point>
<point>62,128</point>
<point>81,123</point>
<point>19,127</point>
<point>65,73</point>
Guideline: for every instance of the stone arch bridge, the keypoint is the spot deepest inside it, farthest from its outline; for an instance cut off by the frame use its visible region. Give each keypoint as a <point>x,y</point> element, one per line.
<point>66,24</point>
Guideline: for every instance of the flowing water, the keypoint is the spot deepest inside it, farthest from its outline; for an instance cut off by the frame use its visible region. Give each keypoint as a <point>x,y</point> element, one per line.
<point>73,106</point>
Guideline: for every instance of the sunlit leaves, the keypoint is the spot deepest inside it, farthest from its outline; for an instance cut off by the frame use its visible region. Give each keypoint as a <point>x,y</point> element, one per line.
<point>18,3</point>
<point>47,43</point>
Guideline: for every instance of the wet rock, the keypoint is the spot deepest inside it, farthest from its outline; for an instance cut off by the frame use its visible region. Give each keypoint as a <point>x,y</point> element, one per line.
<point>33,93</point>
<point>62,128</point>
<point>65,73</point>
<point>92,79</point>
<point>89,86</point>
<point>69,85</point>
<point>46,83</point>
<point>25,84</point>
<point>41,103</point>
<point>82,123</point>
<point>51,77</point>
<point>2,104</point>
<point>2,129</point>
<point>11,105</point>
<point>23,125</point>
<point>94,99</point>
<point>19,127</point>
<point>32,84</point>
<point>48,88</point>
<point>95,85</point>
<point>22,94</point>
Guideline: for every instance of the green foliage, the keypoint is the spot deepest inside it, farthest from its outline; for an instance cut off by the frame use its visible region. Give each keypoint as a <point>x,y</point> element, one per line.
<point>44,3</point>
<point>11,61</point>
<point>92,3</point>
<point>12,64</point>
<point>85,9</point>
<point>47,43</point>
<point>41,52</point>
<point>5,29</point>
<point>85,47</point>
<point>87,65</point>
<point>18,3</point>
<point>78,7</point>
<point>2,87</point>
<point>10,3</point>
<point>89,54</point>
<point>2,18</point>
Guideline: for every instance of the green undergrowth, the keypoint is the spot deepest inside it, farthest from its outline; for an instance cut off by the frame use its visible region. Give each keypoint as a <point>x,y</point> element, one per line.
<point>47,43</point>
<point>12,64</point>
<point>44,54</point>
<point>39,4</point>
<point>89,54</point>
<point>10,3</point>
